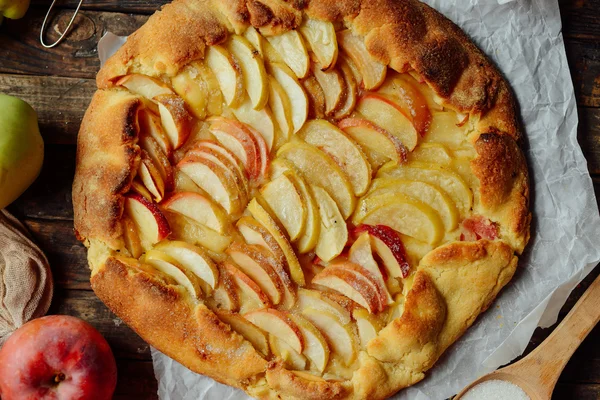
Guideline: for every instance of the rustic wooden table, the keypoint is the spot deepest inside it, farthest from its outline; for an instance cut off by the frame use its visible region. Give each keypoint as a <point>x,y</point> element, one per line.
<point>59,84</point>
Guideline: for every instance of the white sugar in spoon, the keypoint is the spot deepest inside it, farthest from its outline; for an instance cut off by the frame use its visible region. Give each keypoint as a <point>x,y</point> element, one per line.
<point>538,373</point>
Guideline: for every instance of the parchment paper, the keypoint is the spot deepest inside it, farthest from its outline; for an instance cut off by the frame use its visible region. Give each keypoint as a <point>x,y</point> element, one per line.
<point>524,39</point>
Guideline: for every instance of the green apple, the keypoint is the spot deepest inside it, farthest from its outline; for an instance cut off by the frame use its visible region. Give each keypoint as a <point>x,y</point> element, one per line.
<point>21,148</point>
<point>13,9</point>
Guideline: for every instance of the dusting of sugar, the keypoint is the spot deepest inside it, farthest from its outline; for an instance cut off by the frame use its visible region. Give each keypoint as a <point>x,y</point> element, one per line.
<point>495,389</point>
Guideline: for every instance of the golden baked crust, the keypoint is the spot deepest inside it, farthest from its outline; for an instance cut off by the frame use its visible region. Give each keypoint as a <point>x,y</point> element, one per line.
<point>453,284</point>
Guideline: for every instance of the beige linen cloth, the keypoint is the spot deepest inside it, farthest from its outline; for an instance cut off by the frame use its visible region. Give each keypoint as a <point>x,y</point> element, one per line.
<point>25,277</point>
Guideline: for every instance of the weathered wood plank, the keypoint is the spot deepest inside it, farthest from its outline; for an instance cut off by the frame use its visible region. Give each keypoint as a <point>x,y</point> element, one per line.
<point>126,6</point>
<point>576,391</point>
<point>580,18</point>
<point>584,63</point>
<point>135,380</point>
<point>77,56</point>
<point>84,304</point>
<point>588,135</point>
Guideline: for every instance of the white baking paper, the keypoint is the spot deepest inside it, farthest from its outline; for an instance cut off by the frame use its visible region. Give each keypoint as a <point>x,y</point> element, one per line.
<point>524,38</point>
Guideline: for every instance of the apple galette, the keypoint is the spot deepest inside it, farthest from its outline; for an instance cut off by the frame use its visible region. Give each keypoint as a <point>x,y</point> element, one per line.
<point>305,199</point>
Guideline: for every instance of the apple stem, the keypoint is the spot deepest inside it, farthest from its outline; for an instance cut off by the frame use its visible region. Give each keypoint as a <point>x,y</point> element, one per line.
<point>59,377</point>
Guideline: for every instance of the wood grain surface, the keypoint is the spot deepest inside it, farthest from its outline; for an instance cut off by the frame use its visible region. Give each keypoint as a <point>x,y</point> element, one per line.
<point>59,84</point>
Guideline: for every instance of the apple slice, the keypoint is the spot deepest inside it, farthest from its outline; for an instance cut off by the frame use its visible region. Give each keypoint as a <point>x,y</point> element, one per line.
<point>333,234</point>
<point>285,200</point>
<point>253,70</point>
<point>151,177</point>
<point>138,187</point>
<point>352,283</point>
<point>294,91</point>
<point>176,120</point>
<point>255,262</point>
<point>193,90</point>
<point>310,237</point>
<point>333,86</point>
<point>214,99</point>
<point>260,120</point>
<point>256,39</point>
<point>250,294</point>
<point>343,150</point>
<point>184,183</point>
<point>314,299</point>
<point>144,85</point>
<point>199,208</point>
<point>280,105</point>
<point>347,106</point>
<point>215,147</point>
<point>190,231</point>
<point>425,192</point>
<point>410,99</point>
<point>320,37</point>
<point>228,73</point>
<point>397,309</point>
<point>316,98</point>
<point>262,216</point>
<point>403,214</point>
<point>215,181</point>
<point>150,125</point>
<point>372,72</point>
<point>255,233</point>
<point>291,358</point>
<point>388,245</point>
<point>160,159</point>
<point>432,153</point>
<point>379,145</point>
<point>340,336</point>
<point>256,336</point>
<point>316,348</point>
<point>444,129</point>
<point>193,259</point>
<point>225,296</point>
<point>368,326</point>
<point>151,224</point>
<point>170,267</point>
<point>319,169</point>
<point>291,46</point>
<point>434,174</point>
<point>385,113</point>
<point>279,324</point>
<point>361,254</point>
<point>131,237</point>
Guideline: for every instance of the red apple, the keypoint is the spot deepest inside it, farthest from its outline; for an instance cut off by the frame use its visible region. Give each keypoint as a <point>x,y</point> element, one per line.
<point>478,227</point>
<point>57,357</point>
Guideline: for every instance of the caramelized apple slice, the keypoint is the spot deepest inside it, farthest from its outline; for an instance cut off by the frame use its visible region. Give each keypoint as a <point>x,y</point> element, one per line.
<point>173,269</point>
<point>290,357</point>
<point>280,105</point>
<point>372,72</point>
<point>132,238</point>
<point>368,326</point>
<point>144,85</point>
<point>176,120</point>
<point>150,125</point>
<point>261,120</point>
<point>280,325</point>
<point>285,200</point>
<point>291,46</point>
<point>189,85</point>
<point>250,294</point>
<point>152,147</point>
<point>431,153</point>
<point>294,91</point>
<point>347,106</point>
<point>333,234</point>
<point>216,148</point>
<point>184,183</point>
<point>214,100</point>
<point>151,177</point>
<point>256,39</point>
<point>316,348</point>
<point>361,254</point>
<point>228,73</point>
<point>353,284</point>
<point>314,299</point>
<point>151,224</point>
<point>316,98</point>
<point>190,231</point>
<point>253,70</point>
<point>333,88</point>
<point>339,336</point>
<point>389,247</point>
<point>252,333</point>
<point>225,296</point>
<point>320,37</point>
<point>199,208</point>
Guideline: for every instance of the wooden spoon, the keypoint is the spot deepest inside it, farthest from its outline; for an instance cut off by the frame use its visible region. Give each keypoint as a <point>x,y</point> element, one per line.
<point>538,373</point>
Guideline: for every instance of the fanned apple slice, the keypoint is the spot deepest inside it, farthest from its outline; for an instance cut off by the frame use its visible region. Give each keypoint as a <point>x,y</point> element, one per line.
<point>150,125</point>
<point>294,91</point>
<point>291,47</point>
<point>169,266</point>
<point>321,38</point>
<point>175,119</point>
<point>316,98</point>
<point>255,262</point>
<point>199,208</point>
<point>432,153</point>
<point>443,177</point>
<point>316,348</point>
<point>151,177</point>
<point>333,88</point>
<point>132,239</point>
<point>308,298</point>
<point>291,358</point>
<point>368,327</point>
<point>379,145</point>
<point>280,105</point>
<point>144,85</point>
<point>372,72</point>
<point>285,200</point>
<point>260,120</point>
<point>256,234</point>
<point>214,181</point>
<point>361,254</point>
<point>190,231</point>
<point>214,100</point>
<point>340,336</point>
<point>347,106</point>
<point>189,85</point>
<point>250,294</point>
<point>354,285</point>
<point>333,234</point>
<point>236,164</point>
<point>225,297</point>
<point>279,324</point>
<point>184,183</point>
<point>343,150</point>
<point>228,73</point>
<point>256,39</point>
<point>403,214</point>
<point>389,246</point>
<point>252,333</point>
<point>319,169</point>
<point>262,216</point>
<point>310,237</point>
<point>151,224</point>
<point>192,259</point>
<point>385,113</point>
<point>445,129</point>
<point>253,70</point>
<point>425,192</point>
<point>138,187</point>
<point>154,150</point>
